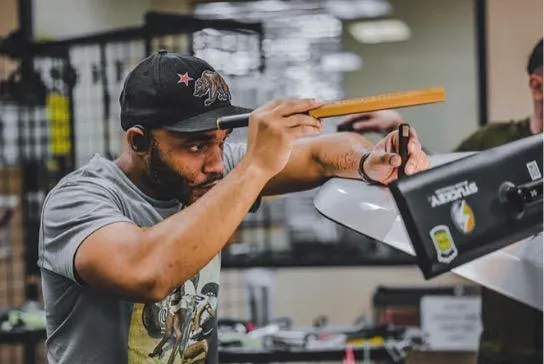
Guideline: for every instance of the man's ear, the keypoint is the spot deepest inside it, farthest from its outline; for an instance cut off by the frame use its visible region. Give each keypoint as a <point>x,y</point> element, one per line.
<point>139,139</point>
<point>535,84</point>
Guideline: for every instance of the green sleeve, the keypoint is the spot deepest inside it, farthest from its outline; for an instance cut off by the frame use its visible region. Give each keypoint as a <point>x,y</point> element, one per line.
<point>472,142</point>
<point>493,135</point>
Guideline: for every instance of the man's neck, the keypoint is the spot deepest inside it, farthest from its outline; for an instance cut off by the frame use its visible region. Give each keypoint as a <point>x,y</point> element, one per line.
<point>536,120</point>
<point>128,167</point>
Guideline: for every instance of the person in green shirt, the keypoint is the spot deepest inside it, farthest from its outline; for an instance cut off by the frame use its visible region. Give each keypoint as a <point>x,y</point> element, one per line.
<point>512,331</point>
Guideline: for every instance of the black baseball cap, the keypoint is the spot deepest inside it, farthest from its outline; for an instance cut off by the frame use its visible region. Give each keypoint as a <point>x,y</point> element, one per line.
<point>175,92</point>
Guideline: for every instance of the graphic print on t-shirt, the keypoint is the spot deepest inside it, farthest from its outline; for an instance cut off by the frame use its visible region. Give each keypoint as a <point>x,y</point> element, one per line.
<point>179,328</point>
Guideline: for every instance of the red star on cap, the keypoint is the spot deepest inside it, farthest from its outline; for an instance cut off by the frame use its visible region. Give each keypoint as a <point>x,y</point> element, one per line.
<point>184,78</point>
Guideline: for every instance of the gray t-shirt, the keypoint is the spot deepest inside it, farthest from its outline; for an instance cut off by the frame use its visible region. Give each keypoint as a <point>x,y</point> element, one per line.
<point>87,326</point>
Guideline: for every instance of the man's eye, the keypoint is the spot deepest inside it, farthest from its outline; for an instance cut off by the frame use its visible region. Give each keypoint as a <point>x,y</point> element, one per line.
<point>195,148</point>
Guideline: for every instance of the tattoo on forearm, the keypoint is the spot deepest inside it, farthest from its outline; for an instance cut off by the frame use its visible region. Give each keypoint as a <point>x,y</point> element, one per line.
<point>348,161</point>
<point>342,154</point>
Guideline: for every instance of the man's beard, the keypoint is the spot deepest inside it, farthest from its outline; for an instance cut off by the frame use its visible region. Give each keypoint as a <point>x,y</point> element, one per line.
<point>167,182</point>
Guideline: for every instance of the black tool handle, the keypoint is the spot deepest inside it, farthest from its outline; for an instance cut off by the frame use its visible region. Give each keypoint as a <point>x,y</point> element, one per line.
<point>233,121</point>
<point>404,137</point>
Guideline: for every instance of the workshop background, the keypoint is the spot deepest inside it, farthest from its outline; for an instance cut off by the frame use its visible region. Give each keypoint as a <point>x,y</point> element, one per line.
<point>62,65</point>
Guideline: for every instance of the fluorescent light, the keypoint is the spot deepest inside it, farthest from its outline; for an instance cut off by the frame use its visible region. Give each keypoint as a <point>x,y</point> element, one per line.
<point>380,31</point>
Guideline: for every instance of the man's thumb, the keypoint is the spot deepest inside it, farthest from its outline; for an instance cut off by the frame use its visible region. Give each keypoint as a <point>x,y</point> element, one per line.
<point>390,159</point>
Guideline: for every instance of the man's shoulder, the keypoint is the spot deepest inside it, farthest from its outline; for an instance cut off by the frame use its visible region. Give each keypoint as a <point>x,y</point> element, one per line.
<point>492,130</point>
<point>85,193</point>
<point>91,177</point>
<point>495,134</point>
<point>502,128</point>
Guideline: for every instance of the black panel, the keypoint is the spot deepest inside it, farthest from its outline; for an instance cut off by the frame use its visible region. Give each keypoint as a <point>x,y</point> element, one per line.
<point>459,204</point>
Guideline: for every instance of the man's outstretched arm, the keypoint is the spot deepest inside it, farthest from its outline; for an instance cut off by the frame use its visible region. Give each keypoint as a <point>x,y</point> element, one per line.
<point>314,160</point>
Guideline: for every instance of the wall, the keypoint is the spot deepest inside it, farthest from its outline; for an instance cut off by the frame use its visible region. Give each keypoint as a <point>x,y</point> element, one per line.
<point>54,19</point>
<point>513,29</point>
<point>441,52</point>
<point>8,16</point>
<point>82,17</point>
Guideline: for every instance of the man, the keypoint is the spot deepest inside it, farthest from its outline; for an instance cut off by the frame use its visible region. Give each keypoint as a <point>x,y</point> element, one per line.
<point>495,134</point>
<point>118,235</point>
<point>512,330</point>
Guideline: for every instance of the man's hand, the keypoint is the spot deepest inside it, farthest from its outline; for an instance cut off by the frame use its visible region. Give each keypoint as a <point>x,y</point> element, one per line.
<point>274,127</point>
<point>383,122</point>
<point>383,163</point>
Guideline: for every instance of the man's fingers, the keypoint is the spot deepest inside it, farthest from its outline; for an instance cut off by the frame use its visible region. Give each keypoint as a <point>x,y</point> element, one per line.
<point>410,167</point>
<point>387,159</point>
<point>297,106</point>
<point>394,160</point>
<point>300,125</point>
<point>417,163</point>
<point>297,120</point>
<point>413,135</point>
<point>304,130</point>
<point>414,146</point>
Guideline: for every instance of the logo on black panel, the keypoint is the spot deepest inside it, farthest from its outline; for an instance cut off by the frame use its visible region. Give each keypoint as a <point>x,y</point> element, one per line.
<point>454,192</point>
<point>463,216</point>
<point>446,251</point>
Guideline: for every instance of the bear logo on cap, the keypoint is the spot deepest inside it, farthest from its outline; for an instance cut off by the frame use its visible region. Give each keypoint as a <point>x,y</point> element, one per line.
<point>211,84</point>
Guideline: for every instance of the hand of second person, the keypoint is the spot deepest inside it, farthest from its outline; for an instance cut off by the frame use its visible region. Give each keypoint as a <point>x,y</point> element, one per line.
<point>383,121</point>
<point>382,165</point>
